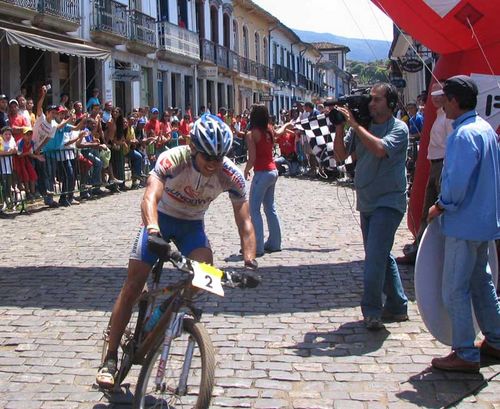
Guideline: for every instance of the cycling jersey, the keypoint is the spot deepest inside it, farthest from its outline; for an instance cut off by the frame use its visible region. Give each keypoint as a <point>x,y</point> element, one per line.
<point>188,193</point>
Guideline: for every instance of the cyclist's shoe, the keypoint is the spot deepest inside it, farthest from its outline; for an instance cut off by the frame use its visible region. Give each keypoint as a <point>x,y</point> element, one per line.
<point>106,375</point>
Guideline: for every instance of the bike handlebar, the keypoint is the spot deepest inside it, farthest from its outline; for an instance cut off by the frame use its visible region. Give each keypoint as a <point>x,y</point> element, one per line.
<point>162,248</point>
<point>246,279</point>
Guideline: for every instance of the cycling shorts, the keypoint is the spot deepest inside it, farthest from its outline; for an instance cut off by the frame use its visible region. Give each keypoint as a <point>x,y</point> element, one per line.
<point>187,235</point>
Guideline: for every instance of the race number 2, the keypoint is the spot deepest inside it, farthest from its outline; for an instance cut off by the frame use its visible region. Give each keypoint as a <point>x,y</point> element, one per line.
<point>208,278</point>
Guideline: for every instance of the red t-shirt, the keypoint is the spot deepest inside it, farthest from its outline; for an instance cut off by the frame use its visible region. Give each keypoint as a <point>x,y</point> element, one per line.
<point>264,151</point>
<point>287,143</point>
<point>184,128</point>
<point>18,120</point>
<point>153,125</point>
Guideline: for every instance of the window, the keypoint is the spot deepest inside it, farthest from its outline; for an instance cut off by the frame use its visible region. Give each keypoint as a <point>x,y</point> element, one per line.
<point>257,47</point>
<point>236,39</point>
<point>245,42</point>
<point>264,46</point>
<point>333,57</point>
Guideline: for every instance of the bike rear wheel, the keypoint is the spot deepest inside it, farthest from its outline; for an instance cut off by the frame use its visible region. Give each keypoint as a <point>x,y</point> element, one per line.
<point>200,380</point>
<point>127,342</point>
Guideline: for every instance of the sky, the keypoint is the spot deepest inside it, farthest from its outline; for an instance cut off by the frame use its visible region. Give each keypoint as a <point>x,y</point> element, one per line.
<point>346,18</point>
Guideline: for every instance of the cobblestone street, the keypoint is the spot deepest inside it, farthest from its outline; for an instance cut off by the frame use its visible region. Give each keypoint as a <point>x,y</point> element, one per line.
<point>295,342</point>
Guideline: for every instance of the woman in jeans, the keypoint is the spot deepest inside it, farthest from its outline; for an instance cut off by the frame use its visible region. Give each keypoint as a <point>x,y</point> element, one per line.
<point>260,141</point>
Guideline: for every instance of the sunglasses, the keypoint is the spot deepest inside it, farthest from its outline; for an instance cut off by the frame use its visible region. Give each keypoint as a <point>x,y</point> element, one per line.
<point>210,158</point>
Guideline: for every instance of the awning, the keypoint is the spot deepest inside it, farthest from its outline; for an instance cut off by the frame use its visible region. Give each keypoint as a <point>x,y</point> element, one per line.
<point>53,45</point>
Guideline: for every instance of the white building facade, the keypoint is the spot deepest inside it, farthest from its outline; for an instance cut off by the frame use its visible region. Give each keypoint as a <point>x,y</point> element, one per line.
<point>182,53</point>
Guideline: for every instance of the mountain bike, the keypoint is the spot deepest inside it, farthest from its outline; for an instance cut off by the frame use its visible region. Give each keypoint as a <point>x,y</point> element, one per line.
<point>176,354</point>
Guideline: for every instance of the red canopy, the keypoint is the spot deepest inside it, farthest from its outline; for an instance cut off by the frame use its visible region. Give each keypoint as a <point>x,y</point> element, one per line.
<point>443,26</point>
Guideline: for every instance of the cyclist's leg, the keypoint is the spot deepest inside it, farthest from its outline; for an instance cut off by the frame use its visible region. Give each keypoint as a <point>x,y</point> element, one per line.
<point>140,263</point>
<point>136,278</point>
<point>191,240</point>
<point>202,254</point>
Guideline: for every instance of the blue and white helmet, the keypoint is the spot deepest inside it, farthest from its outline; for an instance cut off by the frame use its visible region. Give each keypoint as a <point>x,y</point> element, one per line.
<point>211,136</point>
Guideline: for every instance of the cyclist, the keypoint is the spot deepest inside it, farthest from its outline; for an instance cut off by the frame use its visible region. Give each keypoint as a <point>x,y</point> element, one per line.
<point>180,188</point>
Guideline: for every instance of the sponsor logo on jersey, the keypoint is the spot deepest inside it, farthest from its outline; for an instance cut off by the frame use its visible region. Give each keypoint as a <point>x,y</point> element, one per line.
<point>165,164</point>
<point>191,192</point>
<point>180,197</point>
<point>235,176</point>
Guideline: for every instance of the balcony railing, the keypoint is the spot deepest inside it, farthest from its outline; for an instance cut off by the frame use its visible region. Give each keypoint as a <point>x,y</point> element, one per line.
<point>263,72</point>
<point>285,74</point>
<point>234,61</point>
<point>248,67</point>
<point>222,56</point>
<point>110,16</point>
<point>178,40</point>
<point>28,4</point>
<point>66,9</point>
<point>302,80</point>
<point>208,51</point>
<point>142,28</point>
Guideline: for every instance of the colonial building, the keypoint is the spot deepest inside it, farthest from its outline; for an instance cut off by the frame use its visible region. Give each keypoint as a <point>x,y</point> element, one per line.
<point>337,81</point>
<point>182,53</point>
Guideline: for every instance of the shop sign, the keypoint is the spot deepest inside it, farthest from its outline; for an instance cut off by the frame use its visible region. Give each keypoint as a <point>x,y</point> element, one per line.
<point>266,97</point>
<point>412,65</point>
<point>126,75</point>
<point>208,73</point>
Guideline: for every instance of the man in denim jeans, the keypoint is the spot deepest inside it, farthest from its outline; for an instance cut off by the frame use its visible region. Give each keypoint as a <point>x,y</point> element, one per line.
<point>380,184</point>
<point>469,209</point>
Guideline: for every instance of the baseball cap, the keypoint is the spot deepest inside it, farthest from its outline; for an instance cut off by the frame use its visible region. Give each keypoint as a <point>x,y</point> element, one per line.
<point>52,108</point>
<point>458,85</point>
<point>141,121</point>
<point>27,129</point>
<point>13,101</point>
<point>3,96</point>
<point>60,109</point>
<point>154,110</point>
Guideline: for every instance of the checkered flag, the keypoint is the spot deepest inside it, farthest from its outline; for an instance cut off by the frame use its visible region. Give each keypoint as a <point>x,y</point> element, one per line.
<point>317,131</point>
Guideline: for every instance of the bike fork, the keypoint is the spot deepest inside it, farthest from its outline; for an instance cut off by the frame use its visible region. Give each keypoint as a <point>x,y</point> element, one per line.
<point>182,387</point>
<point>173,330</point>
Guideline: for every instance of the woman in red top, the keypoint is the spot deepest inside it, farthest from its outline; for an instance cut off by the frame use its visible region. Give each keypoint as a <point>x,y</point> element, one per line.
<point>260,141</point>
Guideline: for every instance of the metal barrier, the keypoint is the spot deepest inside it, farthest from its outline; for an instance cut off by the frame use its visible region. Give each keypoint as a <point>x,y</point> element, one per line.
<point>25,181</point>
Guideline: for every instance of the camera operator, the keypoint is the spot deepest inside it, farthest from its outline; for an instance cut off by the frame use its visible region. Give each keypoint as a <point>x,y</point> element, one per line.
<point>380,185</point>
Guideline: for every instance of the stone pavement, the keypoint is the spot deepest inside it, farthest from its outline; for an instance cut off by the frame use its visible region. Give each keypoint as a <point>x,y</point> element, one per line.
<point>295,342</point>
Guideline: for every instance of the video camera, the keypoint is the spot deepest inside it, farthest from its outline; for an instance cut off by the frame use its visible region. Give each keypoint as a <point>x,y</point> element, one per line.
<point>358,104</point>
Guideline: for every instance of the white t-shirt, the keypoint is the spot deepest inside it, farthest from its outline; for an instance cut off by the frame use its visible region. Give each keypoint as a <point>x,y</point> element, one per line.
<point>6,161</point>
<point>26,114</point>
<point>68,151</point>
<point>43,130</point>
<point>440,130</point>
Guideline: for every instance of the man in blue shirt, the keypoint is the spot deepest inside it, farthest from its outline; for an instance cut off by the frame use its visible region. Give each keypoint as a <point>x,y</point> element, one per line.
<point>469,210</point>
<point>380,184</point>
<point>415,122</point>
<point>94,99</point>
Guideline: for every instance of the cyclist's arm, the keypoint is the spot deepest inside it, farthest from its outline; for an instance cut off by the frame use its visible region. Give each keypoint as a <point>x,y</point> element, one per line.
<point>149,205</point>
<point>245,230</point>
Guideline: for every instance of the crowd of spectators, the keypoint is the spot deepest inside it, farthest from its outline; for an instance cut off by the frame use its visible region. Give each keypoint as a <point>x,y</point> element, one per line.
<point>82,147</point>
<point>76,148</point>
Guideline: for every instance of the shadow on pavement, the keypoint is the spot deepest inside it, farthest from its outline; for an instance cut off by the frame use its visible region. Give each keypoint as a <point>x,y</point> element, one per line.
<point>284,289</point>
<point>349,339</point>
<point>436,389</point>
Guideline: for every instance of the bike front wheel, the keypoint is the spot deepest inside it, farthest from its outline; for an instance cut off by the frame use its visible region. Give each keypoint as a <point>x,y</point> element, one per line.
<point>196,390</point>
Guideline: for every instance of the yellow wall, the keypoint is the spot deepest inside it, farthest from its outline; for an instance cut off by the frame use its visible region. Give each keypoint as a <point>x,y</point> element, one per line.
<point>254,22</point>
